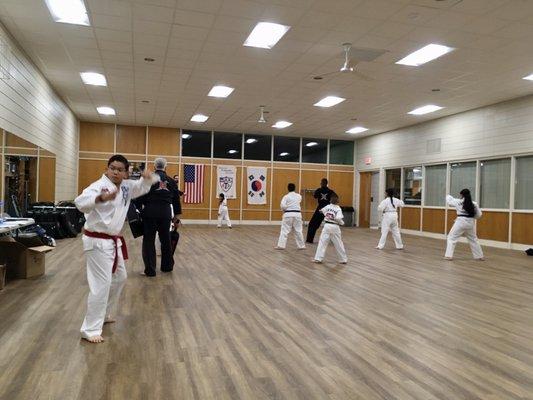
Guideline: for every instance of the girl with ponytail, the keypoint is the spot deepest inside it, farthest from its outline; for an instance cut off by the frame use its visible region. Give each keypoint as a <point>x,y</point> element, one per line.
<point>388,211</point>
<point>467,212</point>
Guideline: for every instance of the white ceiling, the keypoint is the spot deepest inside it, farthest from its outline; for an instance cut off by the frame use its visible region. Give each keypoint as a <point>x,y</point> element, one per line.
<point>198,43</point>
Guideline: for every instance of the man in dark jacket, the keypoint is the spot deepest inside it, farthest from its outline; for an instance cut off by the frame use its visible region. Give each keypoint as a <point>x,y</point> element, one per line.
<point>323,195</point>
<point>159,208</point>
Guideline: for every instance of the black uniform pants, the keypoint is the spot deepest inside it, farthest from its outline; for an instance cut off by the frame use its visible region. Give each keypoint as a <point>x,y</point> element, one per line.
<point>161,226</point>
<point>313,226</point>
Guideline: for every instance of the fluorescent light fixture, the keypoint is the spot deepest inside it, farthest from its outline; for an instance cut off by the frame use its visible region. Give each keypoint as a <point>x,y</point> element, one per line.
<point>93,78</point>
<point>528,78</point>
<point>265,35</point>
<point>199,118</point>
<point>281,124</point>
<point>425,54</point>
<point>425,110</point>
<point>186,135</point>
<point>105,110</point>
<point>69,11</point>
<point>232,151</point>
<point>220,91</point>
<point>329,101</point>
<point>251,140</point>
<point>284,154</point>
<point>311,144</point>
<point>357,129</point>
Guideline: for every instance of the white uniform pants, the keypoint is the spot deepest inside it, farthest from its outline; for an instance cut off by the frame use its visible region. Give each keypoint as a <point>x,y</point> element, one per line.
<point>289,221</point>
<point>104,286</point>
<point>223,215</point>
<point>330,232</point>
<point>389,222</point>
<point>464,226</point>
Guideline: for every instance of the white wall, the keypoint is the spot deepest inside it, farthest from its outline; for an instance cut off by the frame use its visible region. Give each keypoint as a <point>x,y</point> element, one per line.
<point>31,109</point>
<point>501,129</point>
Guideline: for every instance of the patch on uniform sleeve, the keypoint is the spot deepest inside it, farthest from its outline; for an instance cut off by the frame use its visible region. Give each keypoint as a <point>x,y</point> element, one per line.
<point>125,193</point>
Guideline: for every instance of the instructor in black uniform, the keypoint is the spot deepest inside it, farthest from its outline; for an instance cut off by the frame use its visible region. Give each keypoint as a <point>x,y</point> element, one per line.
<point>159,208</point>
<point>323,195</point>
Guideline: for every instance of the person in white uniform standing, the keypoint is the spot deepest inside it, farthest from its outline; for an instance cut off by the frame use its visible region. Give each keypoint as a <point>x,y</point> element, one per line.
<point>223,214</point>
<point>388,211</point>
<point>465,224</point>
<point>331,231</point>
<point>292,218</point>
<point>105,204</point>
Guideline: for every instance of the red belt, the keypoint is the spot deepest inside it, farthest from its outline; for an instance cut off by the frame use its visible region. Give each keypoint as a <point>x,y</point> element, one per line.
<point>115,239</point>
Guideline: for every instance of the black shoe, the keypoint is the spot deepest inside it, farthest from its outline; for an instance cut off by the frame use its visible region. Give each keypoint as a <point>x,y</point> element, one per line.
<point>166,270</point>
<point>148,275</point>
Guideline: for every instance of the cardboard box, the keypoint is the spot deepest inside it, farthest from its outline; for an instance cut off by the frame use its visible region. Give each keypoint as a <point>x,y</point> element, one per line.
<point>22,262</point>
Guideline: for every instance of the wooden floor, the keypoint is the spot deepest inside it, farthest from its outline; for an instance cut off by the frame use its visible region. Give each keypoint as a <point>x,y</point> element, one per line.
<point>239,320</point>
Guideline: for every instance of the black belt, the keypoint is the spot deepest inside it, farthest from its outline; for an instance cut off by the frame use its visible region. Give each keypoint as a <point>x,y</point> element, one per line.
<point>466,216</point>
<point>333,223</point>
<point>291,211</point>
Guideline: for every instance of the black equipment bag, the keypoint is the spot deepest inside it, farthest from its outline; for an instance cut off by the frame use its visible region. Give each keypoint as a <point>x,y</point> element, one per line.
<point>135,221</point>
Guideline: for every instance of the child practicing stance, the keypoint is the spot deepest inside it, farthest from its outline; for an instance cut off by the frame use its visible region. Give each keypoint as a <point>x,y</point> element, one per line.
<point>223,214</point>
<point>331,231</point>
<point>292,218</point>
<point>388,210</point>
<point>465,224</point>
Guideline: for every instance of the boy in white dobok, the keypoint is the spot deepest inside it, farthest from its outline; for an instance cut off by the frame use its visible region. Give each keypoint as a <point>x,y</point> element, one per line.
<point>331,231</point>
<point>292,218</point>
<point>105,204</point>
<point>388,210</point>
<point>223,213</point>
<point>465,224</point>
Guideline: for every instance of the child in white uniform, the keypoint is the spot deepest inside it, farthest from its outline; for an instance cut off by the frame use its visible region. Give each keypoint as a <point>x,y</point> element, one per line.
<point>223,214</point>
<point>292,218</point>
<point>467,212</point>
<point>331,231</point>
<point>388,210</point>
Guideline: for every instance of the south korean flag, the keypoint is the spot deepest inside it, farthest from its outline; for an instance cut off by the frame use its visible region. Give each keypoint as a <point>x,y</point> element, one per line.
<point>257,184</point>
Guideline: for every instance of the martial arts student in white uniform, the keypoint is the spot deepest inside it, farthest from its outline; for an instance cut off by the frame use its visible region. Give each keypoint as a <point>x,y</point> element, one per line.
<point>292,218</point>
<point>105,204</point>
<point>467,212</point>
<point>223,214</point>
<point>331,231</point>
<point>388,211</point>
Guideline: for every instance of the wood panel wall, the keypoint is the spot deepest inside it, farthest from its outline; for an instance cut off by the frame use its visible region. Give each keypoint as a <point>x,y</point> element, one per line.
<point>493,226</point>
<point>433,220</point>
<point>47,179</point>
<point>97,137</point>
<point>90,171</point>
<point>410,218</point>
<point>522,230</point>
<point>163,141</point>
<point>131,139</point>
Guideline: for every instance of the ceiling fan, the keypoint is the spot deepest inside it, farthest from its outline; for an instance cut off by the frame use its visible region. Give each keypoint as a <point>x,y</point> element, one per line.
<point>347,67</point>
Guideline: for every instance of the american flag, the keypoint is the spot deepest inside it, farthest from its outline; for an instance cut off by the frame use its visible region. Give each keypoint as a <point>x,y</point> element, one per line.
<point>194,183</point>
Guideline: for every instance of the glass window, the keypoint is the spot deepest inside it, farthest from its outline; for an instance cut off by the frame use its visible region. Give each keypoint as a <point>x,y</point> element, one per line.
<point>435,177</point>
<point>524,183</point>
<point>463,176</point>
<point>286,149</point>
<point>257,147</point>
<point>393,179</point>
<point>495,176</point>
<point>412,186</point>
<point>227,145</point>
<point>341,152</point>
<point>315,151</point>
<point>196,144</point>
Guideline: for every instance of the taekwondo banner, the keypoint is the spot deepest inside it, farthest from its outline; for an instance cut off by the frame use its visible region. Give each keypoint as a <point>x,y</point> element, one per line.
<point>226,181</point>
<point>257,184</point>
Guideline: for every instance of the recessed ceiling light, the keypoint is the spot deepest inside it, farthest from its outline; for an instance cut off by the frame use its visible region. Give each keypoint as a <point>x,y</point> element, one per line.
<point>311,144</point>
<point>251,140</point>
<point>357,129</point>
<point>284,154</point>
<point>220,91</point>
<point>329,101</point>
<point>199,118</point>
<point>425,110</point>
<point>68,11</point>
<point>435,90</point>
<point>281,124</point>
<point>232,151</point>
<point>105,110</point>
<point>265,35</point>
<point>528,78</point>
<point>149,59</point>
<point>93,78</point>
<point>145,101</point>
<point>425,54</point>
<point>186,135</point>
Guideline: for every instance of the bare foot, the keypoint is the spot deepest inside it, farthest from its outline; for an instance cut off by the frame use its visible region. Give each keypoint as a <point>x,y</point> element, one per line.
<point>480,259</point>
<point>301,248</point>
<point>448,258</point>
<point>379,248</point>
<point>343,262</point>
<point>317,261</point>
<point>94,339</point>
<point>279,248</point>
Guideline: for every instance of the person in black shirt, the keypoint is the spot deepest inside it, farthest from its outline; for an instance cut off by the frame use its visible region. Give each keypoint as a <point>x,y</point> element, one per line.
<point>180,193</point>
<point>323,195</point>
<point>160,207</point>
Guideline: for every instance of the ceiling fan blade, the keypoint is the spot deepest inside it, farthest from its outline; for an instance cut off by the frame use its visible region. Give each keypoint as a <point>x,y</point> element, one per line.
<point>326,74</point>
<point>362,76</point>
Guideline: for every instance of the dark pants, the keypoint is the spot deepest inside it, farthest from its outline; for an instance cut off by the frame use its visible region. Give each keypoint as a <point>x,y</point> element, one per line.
<point>314,224</point>
<point>161,226</point>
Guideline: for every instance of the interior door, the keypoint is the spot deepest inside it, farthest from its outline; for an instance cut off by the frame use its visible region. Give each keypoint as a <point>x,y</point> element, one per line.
<point>365,187</point>
<point>374,200</point>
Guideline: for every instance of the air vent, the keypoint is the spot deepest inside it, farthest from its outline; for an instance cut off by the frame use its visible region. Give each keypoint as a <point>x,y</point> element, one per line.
<point>364,54</point>
<point>433,146</point>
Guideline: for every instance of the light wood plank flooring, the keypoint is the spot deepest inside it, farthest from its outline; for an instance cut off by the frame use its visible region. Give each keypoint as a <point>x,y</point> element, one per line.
<point>239,320</point>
